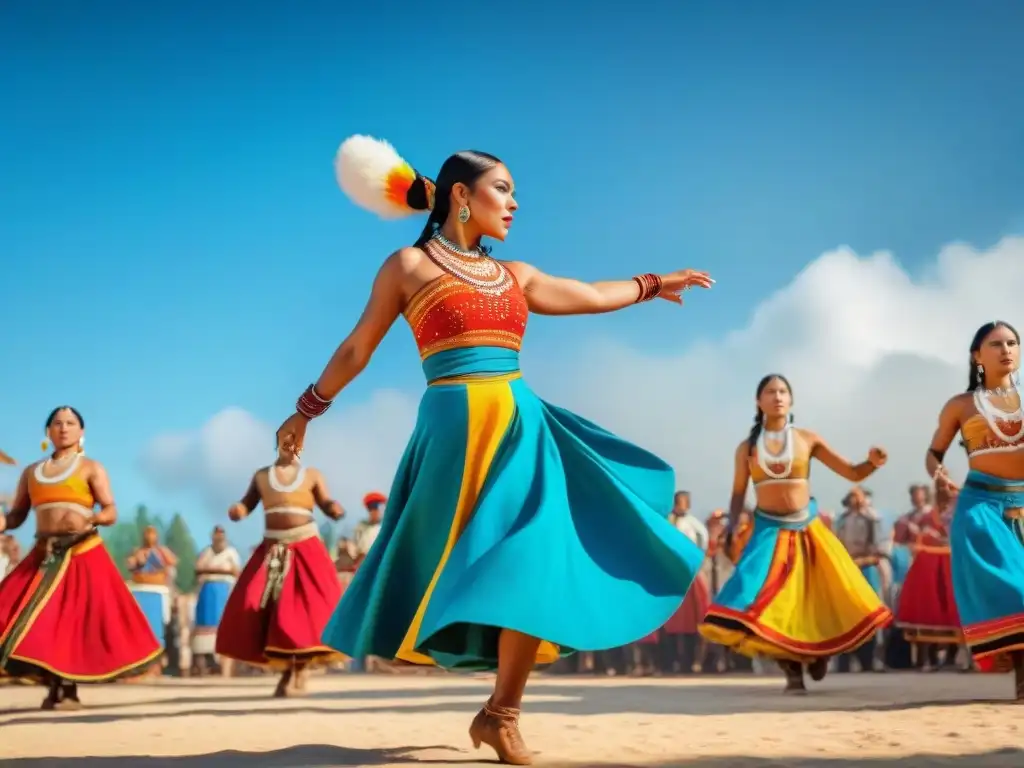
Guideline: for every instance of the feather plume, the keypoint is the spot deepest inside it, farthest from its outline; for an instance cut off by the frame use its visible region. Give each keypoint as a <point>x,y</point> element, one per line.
<point>374,176</point>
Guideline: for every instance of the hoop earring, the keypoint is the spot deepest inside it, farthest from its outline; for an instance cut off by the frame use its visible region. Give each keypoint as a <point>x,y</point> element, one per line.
<point>464,214</point>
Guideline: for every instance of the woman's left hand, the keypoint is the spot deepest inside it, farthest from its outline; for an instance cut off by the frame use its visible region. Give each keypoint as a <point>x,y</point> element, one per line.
<point>674,283</point>
<point>877,457</point>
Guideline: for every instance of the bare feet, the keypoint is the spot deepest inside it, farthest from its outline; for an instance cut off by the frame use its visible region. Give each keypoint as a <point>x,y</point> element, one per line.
<point>818,668</point>
<point>794,678</point>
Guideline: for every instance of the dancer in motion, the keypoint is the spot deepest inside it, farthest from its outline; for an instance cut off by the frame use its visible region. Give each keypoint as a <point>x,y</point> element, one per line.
<point>66,617</point>
<point>796,595</point>
<point>512,524</point>
<point>926,612</point>
<point>285,594</point>
<point>986,534</point>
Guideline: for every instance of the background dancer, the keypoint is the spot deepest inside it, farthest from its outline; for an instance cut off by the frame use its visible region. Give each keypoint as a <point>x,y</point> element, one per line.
<point>987,531</point>
<point>285,594</point>
<point>66,616</point>
<point>780,601</point>
<point>926,612</point>
<point>493,477</point>
<point>217,569</point>
<point>152,567</point>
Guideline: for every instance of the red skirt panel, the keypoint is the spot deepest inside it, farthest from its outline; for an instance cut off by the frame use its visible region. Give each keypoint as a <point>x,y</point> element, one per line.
<point>927,609</point>
<point>69,613</point>
<point>267,626</point>
<point>691,612</point>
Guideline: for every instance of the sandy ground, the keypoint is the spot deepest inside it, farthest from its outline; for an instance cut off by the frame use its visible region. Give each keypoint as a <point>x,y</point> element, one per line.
<point>863,720</point>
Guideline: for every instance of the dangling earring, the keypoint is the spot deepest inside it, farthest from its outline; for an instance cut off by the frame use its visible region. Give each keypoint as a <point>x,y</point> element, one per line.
<point>81,444</point>
<point>45,445</point>
<point>981,375</point>
<point>791,418</point>
<point>464,214</point>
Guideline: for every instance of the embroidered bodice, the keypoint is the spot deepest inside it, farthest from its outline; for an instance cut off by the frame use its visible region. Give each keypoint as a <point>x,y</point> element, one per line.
<point>448,313</point>
<point>295,498</point>
<point>69,488</point>
<point>800,470</point>
<point>979,439</point>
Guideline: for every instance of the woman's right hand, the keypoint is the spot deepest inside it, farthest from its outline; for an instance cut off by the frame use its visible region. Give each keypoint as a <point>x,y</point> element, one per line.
<point>292,434</point>
<point>943,483</point>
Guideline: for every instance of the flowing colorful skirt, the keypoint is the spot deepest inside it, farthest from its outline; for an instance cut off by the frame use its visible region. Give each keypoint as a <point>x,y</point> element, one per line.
<point>210,603</point>
<point>987,546</point>
<point>926,611</point>
<point>65,611</point>
<point>509,512</point>
<point>796,594</point>
<point>686,621</point>
<point>155,602</point>
<point>283,598</point>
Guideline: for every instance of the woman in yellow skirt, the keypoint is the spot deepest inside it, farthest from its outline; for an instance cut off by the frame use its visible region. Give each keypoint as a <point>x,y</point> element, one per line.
<point>796,595</point>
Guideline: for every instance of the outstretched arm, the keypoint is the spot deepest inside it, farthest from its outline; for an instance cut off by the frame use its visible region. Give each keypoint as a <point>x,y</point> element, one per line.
<point>548,295</point>
<point>99,483</point>
<point>241,510</point>
<point>846,469</point>
<point>20,507</point>
<point>380,313</point>
<point>323,499</point>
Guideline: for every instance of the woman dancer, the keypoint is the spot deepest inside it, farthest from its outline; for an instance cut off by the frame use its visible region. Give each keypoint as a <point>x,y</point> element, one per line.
<point>285,594</point>
<point>65,614</point>
<point>987,531</point>
<point>511,524</point>
<point>796,595</point>
<point>926,612</point>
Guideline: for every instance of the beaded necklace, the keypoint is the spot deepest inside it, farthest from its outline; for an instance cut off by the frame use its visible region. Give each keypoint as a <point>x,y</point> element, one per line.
<point>474,267</point>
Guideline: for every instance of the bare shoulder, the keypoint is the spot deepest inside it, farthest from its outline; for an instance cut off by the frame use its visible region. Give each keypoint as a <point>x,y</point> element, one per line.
<point>809,436</point>
<point>92,466</point>
<point>742,450</point>
<point>405,260</point>
<point>313,475</point>
<point>520,269</point>
<point>957,404</point>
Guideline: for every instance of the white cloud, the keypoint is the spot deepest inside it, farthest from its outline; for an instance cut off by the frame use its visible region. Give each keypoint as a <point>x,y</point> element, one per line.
<point>872,355</point>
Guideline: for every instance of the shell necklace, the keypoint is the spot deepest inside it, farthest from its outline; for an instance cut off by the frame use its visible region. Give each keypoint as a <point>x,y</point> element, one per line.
<point>473,267</point>
<point>278,486</point>
<point>994,416</point>
<point>784,456</point>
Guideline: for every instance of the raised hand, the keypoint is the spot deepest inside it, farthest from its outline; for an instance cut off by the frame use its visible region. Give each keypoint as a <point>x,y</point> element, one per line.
<point>674,283</point>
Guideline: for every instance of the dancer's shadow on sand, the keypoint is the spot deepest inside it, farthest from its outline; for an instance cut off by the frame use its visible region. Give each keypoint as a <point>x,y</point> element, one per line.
<point>302,756</point>
<point>321,756</point>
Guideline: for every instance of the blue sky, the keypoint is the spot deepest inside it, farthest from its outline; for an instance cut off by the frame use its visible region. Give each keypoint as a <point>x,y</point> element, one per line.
<point>174,242</point>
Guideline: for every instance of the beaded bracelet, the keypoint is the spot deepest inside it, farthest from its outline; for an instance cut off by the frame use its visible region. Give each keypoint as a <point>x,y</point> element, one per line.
<point>650,286</point>
<point>310,404</point>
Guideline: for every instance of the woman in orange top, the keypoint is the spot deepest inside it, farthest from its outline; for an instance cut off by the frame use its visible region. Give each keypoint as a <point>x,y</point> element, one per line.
<point>511,524</point>
<point>66,616</point>
<point>986,534</point>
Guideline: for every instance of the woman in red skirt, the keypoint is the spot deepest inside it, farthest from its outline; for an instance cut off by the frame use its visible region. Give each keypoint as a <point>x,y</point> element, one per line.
<point>287,591</point>
<point>66,616</point>
<point>927,611</point>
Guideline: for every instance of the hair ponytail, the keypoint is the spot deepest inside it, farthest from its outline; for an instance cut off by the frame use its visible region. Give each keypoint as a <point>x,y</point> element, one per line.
<point>755,431</point>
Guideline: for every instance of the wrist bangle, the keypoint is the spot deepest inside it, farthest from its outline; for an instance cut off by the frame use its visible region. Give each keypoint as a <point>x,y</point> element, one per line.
<point>310,404</point>
<point>650,286</point>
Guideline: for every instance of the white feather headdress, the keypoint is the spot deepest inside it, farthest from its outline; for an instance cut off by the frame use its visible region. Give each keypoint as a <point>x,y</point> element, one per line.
<point>376,177</point>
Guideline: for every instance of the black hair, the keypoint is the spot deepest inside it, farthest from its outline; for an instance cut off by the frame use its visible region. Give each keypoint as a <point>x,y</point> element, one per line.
<point>755,431</point>
<point>461,168</point>
<point>976,378</point>
<point>58,409</point>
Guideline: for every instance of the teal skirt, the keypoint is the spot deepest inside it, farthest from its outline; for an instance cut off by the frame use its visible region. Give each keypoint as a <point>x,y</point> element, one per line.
<point>509,512</point>
<point>987,550</point>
